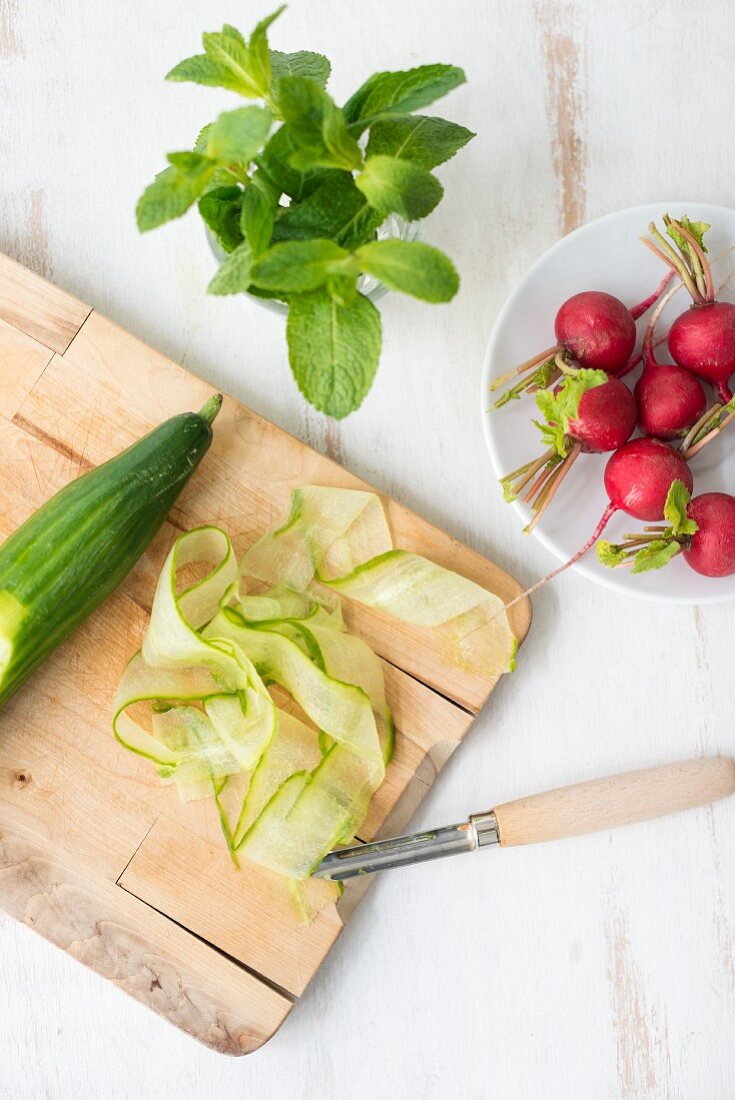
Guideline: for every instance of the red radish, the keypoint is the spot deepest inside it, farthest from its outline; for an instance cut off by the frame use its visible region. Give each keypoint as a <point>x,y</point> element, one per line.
<point>593,328</point>
<point>703,338</point>
<point>702,529</point>
<point>587,412</point>
<point>711,550</point>
<point>670,399</point>
<point>638,477</point>
<point>597,330</point>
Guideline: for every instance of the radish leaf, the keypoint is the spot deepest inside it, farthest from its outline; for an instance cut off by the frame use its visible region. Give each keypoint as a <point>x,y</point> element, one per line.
<point>675,511</point>
<point>655,555</point>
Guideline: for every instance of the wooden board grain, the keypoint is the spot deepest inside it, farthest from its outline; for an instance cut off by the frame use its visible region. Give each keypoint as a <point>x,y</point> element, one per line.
<point>150,870</point>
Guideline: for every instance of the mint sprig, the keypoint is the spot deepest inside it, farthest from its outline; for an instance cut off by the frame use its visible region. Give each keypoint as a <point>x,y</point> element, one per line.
<point>295,188</point>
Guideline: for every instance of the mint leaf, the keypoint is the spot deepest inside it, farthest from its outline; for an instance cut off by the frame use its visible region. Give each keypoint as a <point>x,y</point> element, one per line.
<point>201,69</point>
<point>275,161</point>
<point>336,209</point>
<point>220,210</point>
<point>333,350</point>
<point>234,272</point>
<point>296,266</point>
<point>396,186</point>
<point>221,177</point>
<point>655,555</point>
<point>237,136</point>
<point>190,163</point>
<point>609,554</point>
<point>410,267</point>
<point>260,64</point>
<point>228,51</point>
<point>424,140</point>
<point>173,190</point>
<point>697,230</point>
<point>316,125</point>
<point>675,510</point>
<point>259,206</point>
<point>397,93</point>
<point>561,408</point>
<point>301,63</point>
<point>342,290</point>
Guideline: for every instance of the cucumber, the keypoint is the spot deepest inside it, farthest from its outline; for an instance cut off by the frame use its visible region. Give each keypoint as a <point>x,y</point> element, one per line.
<point>70,555</point>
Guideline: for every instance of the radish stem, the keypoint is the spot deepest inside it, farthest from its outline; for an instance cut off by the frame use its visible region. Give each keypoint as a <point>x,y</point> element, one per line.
<point>604,520</point>
<point>524,367</point>
<point>642,307</point>
<point>692,451</point>
<point>551,488</point>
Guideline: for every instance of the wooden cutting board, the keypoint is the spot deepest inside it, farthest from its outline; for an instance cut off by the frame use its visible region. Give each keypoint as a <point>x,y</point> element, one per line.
<point>94,854</point>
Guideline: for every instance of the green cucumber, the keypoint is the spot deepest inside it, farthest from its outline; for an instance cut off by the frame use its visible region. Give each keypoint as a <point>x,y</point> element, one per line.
<point>70,555</point>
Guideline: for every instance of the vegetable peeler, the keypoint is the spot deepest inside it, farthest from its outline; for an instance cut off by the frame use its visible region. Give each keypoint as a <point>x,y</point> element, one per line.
<point>566,811</point>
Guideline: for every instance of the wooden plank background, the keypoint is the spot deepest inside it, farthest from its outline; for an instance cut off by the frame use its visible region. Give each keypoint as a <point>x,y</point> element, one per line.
<point>601,967</point>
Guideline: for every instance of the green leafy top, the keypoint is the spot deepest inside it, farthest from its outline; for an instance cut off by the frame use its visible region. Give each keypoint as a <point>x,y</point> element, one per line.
<point>560,407</point>
<point>311,248</point>
<point>697,230</point>
<point>675,511</point>
<point>656,550</point>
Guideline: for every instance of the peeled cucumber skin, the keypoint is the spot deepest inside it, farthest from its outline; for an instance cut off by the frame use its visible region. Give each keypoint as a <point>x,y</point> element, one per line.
<point>76,549</point>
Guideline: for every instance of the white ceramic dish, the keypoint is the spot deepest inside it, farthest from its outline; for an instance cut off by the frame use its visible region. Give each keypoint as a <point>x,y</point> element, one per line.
<point>603,255</point>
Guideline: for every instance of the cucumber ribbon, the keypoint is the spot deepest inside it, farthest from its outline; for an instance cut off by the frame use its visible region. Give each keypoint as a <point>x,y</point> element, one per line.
<point>261,699</point>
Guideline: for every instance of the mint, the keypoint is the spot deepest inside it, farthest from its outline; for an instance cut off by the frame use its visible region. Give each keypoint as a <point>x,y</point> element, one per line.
<point>296,202</point>
<point>411,267</point>
<point>258,212</point>
<point>336,209</point>
<point>396,186</point>
<point>259,54</point>
<point>231,57</point>
<point>315,66</point>
<point>275,160</point>
<point>296,266</point>
<point>220,209</point>
<point>400,92</point>
<point>333,350</point>
<point>425,141</point>
<point>237,136</point>
<point>172,192</point>
<point>317,125</point>
<point>201,69</point>
<point>234,272</point>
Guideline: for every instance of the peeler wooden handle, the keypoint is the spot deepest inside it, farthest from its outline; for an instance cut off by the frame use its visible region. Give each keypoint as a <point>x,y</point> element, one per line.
<point>567,811</point>
<point>613,801</point>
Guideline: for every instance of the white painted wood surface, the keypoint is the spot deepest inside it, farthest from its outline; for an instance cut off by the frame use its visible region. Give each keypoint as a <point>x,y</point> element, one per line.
<point>595,967</point>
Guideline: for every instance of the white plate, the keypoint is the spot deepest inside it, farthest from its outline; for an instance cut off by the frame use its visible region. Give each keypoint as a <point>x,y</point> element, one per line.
<point>603,255</point>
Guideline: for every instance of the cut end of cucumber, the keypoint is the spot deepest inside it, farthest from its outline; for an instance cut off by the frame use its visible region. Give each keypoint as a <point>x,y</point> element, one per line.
<point>210,408</point>
<point>12,614</point>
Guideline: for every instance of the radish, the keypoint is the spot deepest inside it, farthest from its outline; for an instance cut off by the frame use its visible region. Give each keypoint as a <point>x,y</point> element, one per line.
<point>670,399</point>
<point>702,529</point>
<point>588,412</point>
<point>703,338</point>
<point>638,478</point>
<point>594,329</point>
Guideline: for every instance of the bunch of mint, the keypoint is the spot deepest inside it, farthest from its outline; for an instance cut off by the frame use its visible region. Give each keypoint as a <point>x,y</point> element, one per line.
<point>295,190</point>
